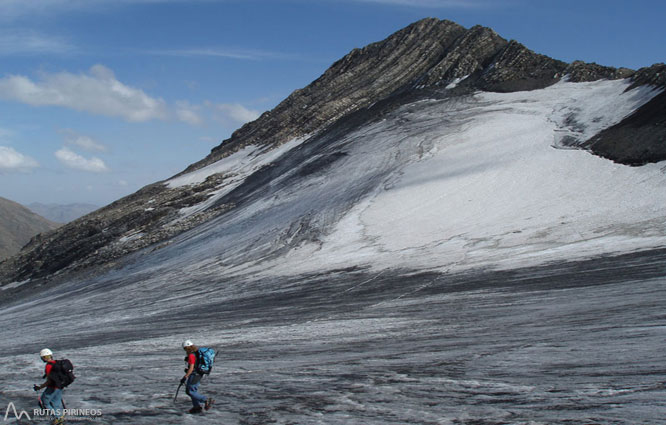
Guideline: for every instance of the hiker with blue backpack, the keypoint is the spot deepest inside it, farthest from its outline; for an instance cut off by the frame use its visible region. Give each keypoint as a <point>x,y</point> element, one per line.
<point>199,363</point>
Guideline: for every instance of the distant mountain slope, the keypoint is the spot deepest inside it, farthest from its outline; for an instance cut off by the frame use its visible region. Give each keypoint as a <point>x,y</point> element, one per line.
<point>17,226</point>
<point>60,213</point>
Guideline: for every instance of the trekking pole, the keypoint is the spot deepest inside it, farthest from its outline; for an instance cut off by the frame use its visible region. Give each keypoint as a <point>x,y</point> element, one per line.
<point>176,396</point>
<point>39,397</point>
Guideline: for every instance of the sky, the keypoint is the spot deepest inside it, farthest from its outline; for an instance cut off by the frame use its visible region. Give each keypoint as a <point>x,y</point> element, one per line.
<point>99,98</point>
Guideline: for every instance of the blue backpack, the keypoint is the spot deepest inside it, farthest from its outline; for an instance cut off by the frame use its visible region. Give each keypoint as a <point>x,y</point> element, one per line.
<point>205,359</point>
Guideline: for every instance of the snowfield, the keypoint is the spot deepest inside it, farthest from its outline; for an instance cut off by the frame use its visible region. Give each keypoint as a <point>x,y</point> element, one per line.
<point>498,192</point>
<point>481,181</point>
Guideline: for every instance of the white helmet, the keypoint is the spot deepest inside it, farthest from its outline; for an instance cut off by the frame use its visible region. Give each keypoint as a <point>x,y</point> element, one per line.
<point>187,343</point>
<point>45,352</point>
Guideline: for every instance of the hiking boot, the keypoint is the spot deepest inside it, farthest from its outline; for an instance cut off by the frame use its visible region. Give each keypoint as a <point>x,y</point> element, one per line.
<point>195,410</point>
<point>209,403</point>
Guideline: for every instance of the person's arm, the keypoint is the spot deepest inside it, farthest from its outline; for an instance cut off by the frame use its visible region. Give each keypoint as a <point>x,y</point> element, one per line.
<point>188,372</point>
<point>44,385</point>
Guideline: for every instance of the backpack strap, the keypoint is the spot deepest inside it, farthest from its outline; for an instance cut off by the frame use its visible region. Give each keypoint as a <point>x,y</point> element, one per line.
<point>197,363</point>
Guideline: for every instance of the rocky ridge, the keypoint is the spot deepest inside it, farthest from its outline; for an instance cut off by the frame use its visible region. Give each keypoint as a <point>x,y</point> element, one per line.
<point>427,54</point>
<point>144,218</point>
<point>420,60</point>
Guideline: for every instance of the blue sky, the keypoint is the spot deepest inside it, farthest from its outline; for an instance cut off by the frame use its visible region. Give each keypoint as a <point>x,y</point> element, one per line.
<point>101,97</point>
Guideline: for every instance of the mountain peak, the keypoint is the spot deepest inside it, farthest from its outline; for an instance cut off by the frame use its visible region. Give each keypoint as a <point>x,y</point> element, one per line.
<point>429,59</point>
<point>354,82</point>
<point>429,53</point>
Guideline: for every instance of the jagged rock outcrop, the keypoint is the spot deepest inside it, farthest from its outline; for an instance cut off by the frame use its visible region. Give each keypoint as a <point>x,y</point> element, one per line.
<point>518,68</point>
<point>654,75</point>
<point>579,71</point>
<point>428,58</point>
<point>472,52</point>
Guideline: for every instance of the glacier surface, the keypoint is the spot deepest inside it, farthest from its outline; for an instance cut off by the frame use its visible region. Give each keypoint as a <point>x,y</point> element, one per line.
<point>452,262</point>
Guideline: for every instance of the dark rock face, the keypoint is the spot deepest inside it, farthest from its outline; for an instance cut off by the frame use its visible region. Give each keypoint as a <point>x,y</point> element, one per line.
<point>472,52</point>
<point>580,71</point>
<point>654,75</point>
<point>424,58</point>
<point>639,139</point>
<point>517,68</point>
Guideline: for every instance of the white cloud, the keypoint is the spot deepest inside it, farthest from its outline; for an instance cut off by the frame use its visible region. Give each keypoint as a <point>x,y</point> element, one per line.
<point>12,9</point>
<point>73,160</point>
<point>229,114</point>
<point>84,142</point>
<point>98,92</point>
<point>223,52</point>
<point>235,112</point>
<point>209,139</point>
<point>11,160</point>
<point>18,41</point>
<point>188,113</point>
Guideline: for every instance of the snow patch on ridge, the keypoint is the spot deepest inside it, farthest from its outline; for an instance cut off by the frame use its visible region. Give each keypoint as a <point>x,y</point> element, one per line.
<point>453,84</point>
<point>237,166</point>
<point>13,285</point>
<point>241,163</point>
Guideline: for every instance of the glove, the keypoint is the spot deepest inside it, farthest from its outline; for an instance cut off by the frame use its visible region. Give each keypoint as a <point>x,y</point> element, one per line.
<point>36,388</point>
<point>183,379</point>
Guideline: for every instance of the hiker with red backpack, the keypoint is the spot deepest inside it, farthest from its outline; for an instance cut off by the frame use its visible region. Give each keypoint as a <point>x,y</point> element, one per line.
<point>199,363</point>
<point>59,374</point>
